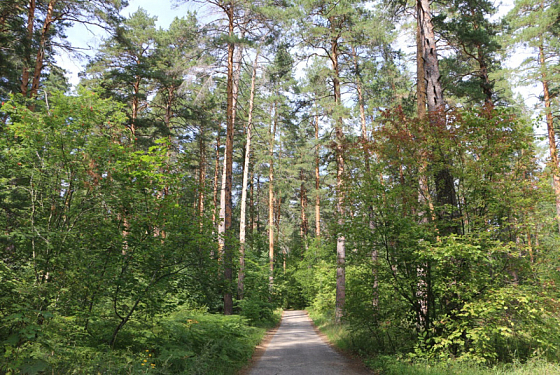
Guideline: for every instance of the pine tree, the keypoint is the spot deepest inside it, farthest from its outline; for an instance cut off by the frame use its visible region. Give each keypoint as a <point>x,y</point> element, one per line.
<point>535,25</point>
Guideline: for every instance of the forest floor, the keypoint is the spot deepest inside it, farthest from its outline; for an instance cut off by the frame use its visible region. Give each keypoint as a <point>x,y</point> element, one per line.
<point>298,348</point>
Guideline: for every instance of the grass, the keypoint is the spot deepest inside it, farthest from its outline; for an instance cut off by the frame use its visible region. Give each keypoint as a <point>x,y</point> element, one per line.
<point>391,365</point>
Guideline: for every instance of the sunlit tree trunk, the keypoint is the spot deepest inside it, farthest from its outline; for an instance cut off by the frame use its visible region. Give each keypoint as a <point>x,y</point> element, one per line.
<point>202,174</point>
<point>40,59</point>
<point>317,182</point>
<point>420,79</point>
<point>231,89</point>
<point>216,181</point>
<point>339,151</point>
<point>551,133</point>
<point>272,134</point>
<point>242,223</point>
<point>304,225</point>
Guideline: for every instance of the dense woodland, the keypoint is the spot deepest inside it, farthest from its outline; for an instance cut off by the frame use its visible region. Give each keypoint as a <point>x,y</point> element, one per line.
<point>258,155</point>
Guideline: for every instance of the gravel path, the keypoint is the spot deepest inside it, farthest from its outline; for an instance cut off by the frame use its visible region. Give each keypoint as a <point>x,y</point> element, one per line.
<point>297,349</point>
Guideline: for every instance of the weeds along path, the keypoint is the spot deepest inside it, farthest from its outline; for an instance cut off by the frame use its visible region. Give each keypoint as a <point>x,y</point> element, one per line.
<point>297,349</point>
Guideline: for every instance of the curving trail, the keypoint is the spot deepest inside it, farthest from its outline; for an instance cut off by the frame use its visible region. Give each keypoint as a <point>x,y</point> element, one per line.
<point>297,349</point>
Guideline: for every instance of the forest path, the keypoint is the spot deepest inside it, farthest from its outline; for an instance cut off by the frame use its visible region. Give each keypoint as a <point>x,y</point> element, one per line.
<point>296,348</point>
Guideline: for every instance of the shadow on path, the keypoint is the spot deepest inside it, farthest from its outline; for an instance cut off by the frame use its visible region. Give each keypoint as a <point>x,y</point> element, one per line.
<point>297,349</point>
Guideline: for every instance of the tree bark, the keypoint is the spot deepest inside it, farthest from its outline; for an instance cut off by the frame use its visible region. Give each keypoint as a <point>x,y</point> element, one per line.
<point>434,90</point>
<point>231,102</point>
<point>371,223</point>
<point>317,182</point>
<point>420,76</point>
<point>216,176</point>
<point>304,225</point>
<point>272,134</point>
<point>551,133</point>
<point>202,174</point>
<point>339,151</point>
<point>29,41</point>
<point>242,225</point>
<point>40,59</point>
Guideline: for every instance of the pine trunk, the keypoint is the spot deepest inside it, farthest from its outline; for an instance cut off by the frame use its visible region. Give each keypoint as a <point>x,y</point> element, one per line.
<point>339,151</point>
<point>29,41</point>
<point>551,134</point>
<point>434,90</point>
<point>420,77</point>
<point>40,59</point>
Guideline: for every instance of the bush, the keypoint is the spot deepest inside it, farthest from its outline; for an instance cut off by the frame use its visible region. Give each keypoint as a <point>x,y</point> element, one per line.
<point>256,311</point>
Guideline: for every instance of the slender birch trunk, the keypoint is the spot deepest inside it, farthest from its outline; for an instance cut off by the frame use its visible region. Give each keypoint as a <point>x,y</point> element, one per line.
<point>272,134</point>
<point>371,224</point>
<point>317,182</point>
<point>242,225</point>
<point>227,249</point>
<point>216,177</point>
<point>201,175</point>
<point>339,151</point>
<point>304,226</point>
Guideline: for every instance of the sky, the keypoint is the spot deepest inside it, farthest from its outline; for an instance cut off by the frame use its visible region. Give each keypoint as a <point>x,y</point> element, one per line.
<point>89,38</point>
<point>166,10</point>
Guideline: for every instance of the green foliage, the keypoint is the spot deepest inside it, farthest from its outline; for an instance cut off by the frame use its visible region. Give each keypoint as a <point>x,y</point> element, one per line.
<point>186,341</point>
<point>315,276</point>
<point>388,365</point>
<point>256,311</point>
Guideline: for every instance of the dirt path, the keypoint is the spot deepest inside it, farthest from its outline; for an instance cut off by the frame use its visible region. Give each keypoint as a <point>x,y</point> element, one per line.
<point>297,349</point>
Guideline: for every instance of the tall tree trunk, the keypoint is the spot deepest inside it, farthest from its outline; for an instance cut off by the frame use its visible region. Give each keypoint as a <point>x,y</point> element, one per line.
<point>304,226</point>
<point>485,83</point>
<point>339,151</point>
<point>272,134</point>
<point>430,77</point>
<point>551,133</point>
<point>277,216</point>
<point>28,43</point>
<point>420,76</point>
<point>257,205</point>
<point>216,177</point>
<point>434,90</point>
<point>371,224</point>
<point>135,103</point>
<point>40,60</point>
<point>242,226</point>
<point>228,168</point>
<point>222,215</point>
<point>202,174</point>
<point>252,203</point>
<point>317,182</point>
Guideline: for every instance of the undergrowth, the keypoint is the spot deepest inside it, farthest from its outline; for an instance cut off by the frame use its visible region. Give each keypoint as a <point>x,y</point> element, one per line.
<point>184,342</point>
<point>399,364</point>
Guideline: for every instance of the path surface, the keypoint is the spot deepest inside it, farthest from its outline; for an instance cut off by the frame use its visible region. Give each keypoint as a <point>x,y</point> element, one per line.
<point>297,349</point>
